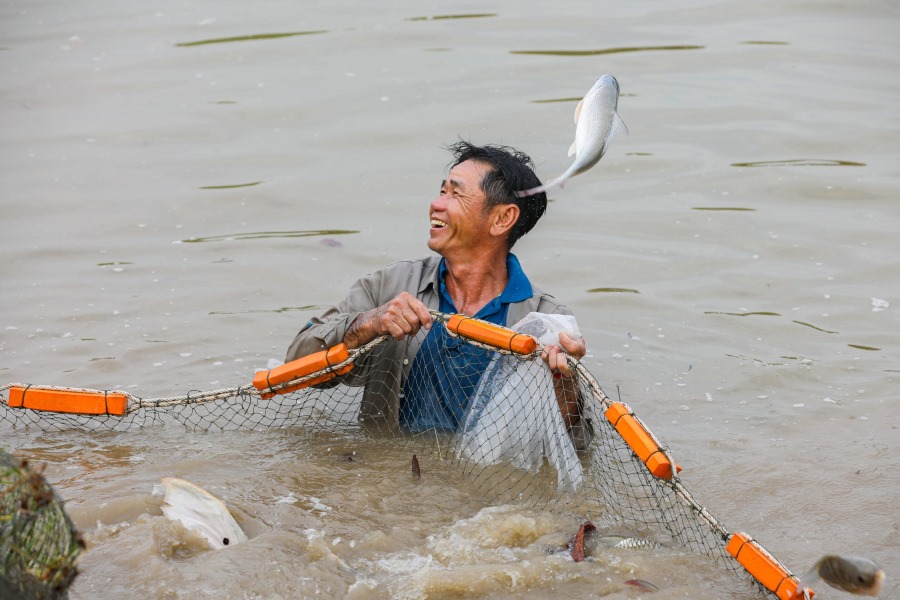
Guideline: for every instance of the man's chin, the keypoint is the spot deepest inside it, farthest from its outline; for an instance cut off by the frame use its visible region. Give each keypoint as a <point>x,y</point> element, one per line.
<point>434,243</point>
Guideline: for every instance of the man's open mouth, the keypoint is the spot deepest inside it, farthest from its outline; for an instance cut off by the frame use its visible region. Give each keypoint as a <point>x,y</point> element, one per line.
<point>437,223</point>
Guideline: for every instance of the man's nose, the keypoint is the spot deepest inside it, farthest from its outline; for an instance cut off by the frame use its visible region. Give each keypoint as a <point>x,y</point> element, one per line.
<point>439,203</point>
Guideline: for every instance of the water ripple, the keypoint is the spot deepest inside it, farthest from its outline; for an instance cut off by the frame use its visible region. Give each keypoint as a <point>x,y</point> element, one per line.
<point>613,290</point>
<point>869,348</point>
<point>551,100</point>
<point>247,38</point>
<point>605,50</point>
<point>444,17</point>
<point>746,314</point>
<point>255,235</point>
<point>814,327</point>
<point>229,186</point>
<point>733,208</point>
<point>268,310</point>
<point>801,162</point>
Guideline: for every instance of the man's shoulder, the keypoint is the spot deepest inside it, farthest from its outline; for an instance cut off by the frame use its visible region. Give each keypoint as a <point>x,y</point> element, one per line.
<point>548,303</point>
<point>540,301</point>
<point>416,268</point>
<point>413,264</point>
<point>412,275</point>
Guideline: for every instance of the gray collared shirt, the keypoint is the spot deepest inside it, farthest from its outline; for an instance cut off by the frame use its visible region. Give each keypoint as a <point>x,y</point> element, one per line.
<point>381,397</point>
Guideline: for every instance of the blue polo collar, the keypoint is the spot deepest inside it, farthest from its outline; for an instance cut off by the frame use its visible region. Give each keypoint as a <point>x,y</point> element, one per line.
<point>518,287</point>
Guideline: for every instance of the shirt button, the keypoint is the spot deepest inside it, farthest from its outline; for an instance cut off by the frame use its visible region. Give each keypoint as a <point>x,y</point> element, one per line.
<point>405,361</point>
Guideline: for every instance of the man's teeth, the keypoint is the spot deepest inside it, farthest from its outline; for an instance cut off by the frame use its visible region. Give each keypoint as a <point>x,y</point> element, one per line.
<point>437,223</point>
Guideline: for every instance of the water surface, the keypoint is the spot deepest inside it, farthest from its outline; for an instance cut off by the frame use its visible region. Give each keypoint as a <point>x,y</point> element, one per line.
<point>733,263</point>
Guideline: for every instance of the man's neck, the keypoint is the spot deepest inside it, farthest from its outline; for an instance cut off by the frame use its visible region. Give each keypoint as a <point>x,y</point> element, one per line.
<point>473,283</point>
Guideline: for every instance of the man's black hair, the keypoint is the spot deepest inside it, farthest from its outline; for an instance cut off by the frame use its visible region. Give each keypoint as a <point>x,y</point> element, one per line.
<point>511,171</point>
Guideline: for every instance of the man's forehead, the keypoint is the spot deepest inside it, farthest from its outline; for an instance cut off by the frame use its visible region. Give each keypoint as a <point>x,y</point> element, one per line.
<point>468,173</point>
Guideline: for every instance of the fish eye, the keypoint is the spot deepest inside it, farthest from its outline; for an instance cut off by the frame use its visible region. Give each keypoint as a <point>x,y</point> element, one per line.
<point>225,541</point>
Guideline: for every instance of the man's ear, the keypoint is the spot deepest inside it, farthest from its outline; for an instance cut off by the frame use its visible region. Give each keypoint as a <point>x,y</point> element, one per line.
<point>504,219</point>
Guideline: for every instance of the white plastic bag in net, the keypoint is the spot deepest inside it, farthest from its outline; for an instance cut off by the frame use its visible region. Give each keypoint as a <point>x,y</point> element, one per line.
<point>514,416</point>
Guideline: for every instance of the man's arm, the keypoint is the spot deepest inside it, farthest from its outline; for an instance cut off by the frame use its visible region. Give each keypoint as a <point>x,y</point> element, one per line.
<point>400,317</point>
<point>564,383</point>
<point>376,304</point>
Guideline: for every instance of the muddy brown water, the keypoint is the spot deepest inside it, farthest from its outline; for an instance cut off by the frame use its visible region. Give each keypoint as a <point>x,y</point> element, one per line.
<point>185,184</point>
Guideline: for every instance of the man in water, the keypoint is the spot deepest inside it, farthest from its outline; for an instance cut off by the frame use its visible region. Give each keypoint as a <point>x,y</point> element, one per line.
<point>475,221</point>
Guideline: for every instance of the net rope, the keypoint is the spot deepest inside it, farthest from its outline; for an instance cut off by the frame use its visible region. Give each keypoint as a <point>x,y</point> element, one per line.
<point>510,441</point>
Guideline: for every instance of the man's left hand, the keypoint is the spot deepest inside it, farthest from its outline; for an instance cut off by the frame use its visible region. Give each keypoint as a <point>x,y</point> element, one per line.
<point>555,356</point>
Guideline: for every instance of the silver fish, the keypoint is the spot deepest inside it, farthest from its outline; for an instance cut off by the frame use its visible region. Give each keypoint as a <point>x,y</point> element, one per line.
<point>626,543</point>
<point>853,574</point>
<point>596,124</point>
<point>200,511</point>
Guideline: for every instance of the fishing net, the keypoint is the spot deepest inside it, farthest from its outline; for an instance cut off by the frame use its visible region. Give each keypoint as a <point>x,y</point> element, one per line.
<point>501,425</point>
<point>38,542</point>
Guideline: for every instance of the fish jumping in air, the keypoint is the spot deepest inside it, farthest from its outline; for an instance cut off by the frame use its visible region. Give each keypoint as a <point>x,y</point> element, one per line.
<point>596,124</point>
<point>200,511</point>
<point>853,574</point>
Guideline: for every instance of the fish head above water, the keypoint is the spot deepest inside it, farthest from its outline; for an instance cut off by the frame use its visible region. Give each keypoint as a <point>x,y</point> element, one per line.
<point>201,512</point>
<point>853,574</point>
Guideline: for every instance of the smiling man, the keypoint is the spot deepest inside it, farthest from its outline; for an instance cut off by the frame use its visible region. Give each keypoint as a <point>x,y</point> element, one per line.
<point>475,221</point>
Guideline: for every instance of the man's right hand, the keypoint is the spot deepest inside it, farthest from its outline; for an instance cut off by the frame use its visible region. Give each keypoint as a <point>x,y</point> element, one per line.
<point>402,316</point>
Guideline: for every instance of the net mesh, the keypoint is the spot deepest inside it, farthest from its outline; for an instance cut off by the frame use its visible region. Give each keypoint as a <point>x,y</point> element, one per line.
<point>500,423</point>
<point>39,545</point>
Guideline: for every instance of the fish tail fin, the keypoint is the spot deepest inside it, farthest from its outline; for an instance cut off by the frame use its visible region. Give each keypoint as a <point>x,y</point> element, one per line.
<point>558,182</point>
<point>807,580</point>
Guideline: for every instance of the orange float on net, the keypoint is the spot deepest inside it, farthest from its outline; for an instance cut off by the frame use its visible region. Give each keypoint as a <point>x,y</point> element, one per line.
<point>640,440</point>
<point>492,335</point>
<point>765,569</point>
<point>303,367</point>
<point>82,402</point>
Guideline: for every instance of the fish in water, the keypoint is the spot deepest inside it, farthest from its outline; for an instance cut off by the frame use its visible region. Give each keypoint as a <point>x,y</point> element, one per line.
<point>596,124</point>
<point>200,511</point>
<point>643,585</point>
<point>585,543</point>
<point>853,574</point>
<point>625,543</point>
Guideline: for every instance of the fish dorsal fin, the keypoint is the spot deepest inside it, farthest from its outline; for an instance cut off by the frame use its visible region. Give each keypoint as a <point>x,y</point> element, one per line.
<point>573,148</point>
<point>577,113</point>
<point>618,125</point>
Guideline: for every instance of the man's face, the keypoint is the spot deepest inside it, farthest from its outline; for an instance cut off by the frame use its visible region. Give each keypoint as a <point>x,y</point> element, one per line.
<point>459,224</point>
